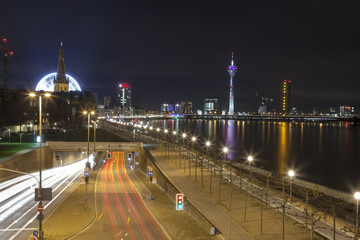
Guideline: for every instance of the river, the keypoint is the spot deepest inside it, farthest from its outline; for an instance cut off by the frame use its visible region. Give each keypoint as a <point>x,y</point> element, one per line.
<point>324,153</point>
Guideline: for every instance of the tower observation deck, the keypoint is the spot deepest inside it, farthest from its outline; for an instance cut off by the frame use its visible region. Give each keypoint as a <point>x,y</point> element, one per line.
<point>232,69</point>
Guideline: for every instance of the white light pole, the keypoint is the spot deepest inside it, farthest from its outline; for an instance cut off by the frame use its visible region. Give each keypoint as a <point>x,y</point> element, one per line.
<point>88,148</point>
<point>9,134</point>
<point>291,174</point>
<point>41,216</point>
<point>357,197</point>
<point>193,140</point>
<point>225,150</point>
<point>250,159</point>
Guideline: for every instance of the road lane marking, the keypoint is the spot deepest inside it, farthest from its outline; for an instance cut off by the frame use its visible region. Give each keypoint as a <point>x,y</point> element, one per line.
<point>100,216</point>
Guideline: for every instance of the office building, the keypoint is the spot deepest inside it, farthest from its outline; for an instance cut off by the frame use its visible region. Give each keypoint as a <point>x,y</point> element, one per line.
<point>347,111</point>
<point>286,97</point>
<point>124,95</point>
<point>211,105</point>
<point>107,101</point>
<point>186,107</point>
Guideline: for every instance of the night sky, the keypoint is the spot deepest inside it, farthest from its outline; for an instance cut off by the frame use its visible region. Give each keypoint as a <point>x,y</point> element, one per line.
<point>174,50</point>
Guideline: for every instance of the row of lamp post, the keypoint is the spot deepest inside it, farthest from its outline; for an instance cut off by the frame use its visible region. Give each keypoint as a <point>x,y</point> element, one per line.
<point>291,173</point>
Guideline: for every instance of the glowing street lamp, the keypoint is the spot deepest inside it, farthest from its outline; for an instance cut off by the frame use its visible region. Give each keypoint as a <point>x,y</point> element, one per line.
<point>291,174</point>
<point>357,197</point>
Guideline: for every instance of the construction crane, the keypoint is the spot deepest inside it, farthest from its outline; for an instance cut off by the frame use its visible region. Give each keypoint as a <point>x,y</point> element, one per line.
<point>7,55</point>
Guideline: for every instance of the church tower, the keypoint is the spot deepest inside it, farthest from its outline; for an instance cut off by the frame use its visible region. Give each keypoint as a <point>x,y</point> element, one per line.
<point>61,83</point>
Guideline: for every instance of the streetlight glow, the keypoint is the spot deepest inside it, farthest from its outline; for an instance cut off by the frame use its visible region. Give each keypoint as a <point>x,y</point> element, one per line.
<point>184,135</point>
<point>174,132</point>
<point>165,131</point>
<point>291,173</point>
<point>225,149</point>
<point>250,158</point>
<point>357,195</point>
<point>207,143</point>
<point>193,139</point>
<point>158,129</point>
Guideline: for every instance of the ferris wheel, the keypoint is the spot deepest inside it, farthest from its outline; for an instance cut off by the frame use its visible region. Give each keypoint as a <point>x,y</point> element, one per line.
<point>47,83</point>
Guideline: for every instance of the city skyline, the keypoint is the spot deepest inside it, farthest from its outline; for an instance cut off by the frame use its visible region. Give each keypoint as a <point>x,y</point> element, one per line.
<point>172,53</point>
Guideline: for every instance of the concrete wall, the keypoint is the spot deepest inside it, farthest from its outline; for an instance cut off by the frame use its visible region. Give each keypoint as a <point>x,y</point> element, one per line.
<point>61,158</point>
<point>28,162</point>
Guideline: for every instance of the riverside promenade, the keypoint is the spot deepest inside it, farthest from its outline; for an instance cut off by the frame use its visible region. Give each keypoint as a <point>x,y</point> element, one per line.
<point>245,224</point>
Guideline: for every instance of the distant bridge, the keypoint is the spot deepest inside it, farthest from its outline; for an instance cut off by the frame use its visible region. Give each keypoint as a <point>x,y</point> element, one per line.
<point>279,118</point>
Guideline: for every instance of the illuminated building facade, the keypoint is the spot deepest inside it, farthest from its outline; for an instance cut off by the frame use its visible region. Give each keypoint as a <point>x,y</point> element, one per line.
<point>211,105</point>
<point>166,107</point>
<point>232,69</point>
<point>286,97</point>
<point>124,95</point>
<point>347,111</point>
<point>186,107</point>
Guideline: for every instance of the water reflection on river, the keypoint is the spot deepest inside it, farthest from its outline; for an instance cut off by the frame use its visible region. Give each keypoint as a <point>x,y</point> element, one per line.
<point>326,153</point>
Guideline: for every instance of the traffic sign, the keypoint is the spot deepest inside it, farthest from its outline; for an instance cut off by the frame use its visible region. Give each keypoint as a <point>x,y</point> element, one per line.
<point>87,169</point>
<point>150,173</point>
<point>36,238</point>
<point>40,208</point>
<point>154,180</point>
<point>82,180</point>
<point>35,233</point>
<point>86,173</point>
<point>46,194</point>
<point>150,168</point>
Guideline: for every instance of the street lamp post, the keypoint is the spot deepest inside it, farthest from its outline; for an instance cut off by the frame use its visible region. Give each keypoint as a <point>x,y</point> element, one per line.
<point>166,143</point>
<point>193,140</point>
<point>40,216</point>
<point>94,137</point>
<point>291,174</point>
<point>225,150</point>
<point>88,149</point>
<point>9,134</point>
<point>184,138</point>
<point>207,144</point>
<point>250,159</point>
<point>357,197</point>
<point>174,134</point>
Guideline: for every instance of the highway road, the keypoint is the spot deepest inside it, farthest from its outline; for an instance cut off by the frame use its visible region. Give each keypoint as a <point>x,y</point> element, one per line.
<point>120,212</point>
<point>18,209</point>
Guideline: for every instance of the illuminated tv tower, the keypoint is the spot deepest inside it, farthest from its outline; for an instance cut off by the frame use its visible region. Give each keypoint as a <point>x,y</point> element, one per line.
<point>232,69</point>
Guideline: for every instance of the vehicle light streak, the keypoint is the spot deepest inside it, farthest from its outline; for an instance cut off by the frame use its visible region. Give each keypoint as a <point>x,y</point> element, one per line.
<point>17,195</point>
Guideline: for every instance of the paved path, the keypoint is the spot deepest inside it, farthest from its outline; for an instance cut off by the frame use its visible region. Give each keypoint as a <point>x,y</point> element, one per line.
<point>208,208</point>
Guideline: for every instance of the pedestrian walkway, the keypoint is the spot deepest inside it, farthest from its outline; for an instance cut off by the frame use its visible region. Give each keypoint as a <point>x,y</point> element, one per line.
<point>208,208</point>
<point>249,218</point>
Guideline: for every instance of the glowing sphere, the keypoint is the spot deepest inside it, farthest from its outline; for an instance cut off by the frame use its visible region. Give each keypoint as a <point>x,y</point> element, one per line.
<point>47,83</point>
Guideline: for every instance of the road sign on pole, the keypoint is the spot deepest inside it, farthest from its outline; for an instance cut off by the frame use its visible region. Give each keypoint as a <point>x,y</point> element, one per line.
<point>86,173</point>
<point>150,173</point>
<point>40,208</point>
<point>35,233</point>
